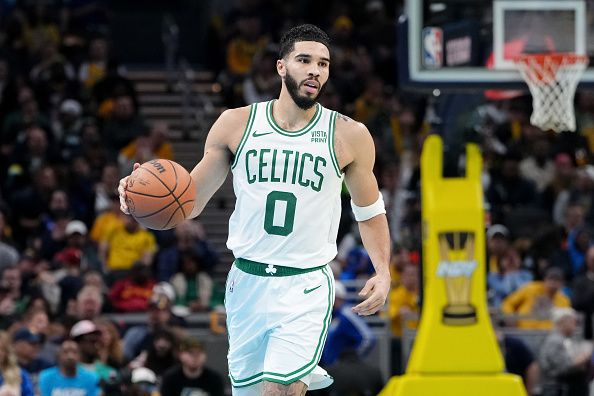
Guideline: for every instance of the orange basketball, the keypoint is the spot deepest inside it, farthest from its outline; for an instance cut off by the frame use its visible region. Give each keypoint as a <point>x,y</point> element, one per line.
<point>160,194</point>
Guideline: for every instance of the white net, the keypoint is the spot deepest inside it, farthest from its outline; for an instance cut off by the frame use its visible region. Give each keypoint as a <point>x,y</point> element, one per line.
<point>552,79</point>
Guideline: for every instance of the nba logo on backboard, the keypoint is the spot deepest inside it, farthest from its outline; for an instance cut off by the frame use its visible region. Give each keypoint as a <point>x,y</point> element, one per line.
<point>432,47</point>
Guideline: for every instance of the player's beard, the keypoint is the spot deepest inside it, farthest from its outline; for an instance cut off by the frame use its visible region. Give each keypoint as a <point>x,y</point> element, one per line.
<point>302,101</point>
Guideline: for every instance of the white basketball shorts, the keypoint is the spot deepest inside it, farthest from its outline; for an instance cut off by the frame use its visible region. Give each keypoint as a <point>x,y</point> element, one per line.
<point>277,319</point>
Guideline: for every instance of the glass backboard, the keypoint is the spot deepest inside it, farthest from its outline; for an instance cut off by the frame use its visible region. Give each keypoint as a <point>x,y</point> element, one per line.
<point>461,44</point>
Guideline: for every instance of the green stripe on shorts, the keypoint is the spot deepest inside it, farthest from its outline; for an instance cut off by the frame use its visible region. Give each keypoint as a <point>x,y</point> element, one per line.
<point>261,269</point>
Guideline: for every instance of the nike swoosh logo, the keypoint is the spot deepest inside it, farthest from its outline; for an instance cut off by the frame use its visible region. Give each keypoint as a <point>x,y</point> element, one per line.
<point>256,134</point>
<point>307,291</point>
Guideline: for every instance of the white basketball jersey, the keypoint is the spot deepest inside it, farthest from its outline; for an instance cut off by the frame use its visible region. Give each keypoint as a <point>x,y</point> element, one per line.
<point>287,185</point>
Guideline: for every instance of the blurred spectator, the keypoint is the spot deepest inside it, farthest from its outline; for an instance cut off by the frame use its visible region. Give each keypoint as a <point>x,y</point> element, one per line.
<point>404,299</point>
<point>105,92</point>
<point>161,354</point>
<point>8,253</point>
<point>378,27</point>
<point>54,223</point>
<point>107,187</point>
<point>536,300</point>
<point>509,190</point>
<point>125,245</point>
<point>243,47</point>
<point>510,277</point>
<point>52,77</point>
<point>574,218</point>
<point>30,154</point>
<point>395,199</point>
<point>192,376</point>
<point>37,321</point>
<point>13,300</point>
<point>8,88</point>
<point>370,103</point>
<point>30,203</point>
<point>263,82</point>
<point>108,220</point>
<point>358,263</point>
<point>25,116</point>
<point>403,307</point>
<point>111,348</point>
<point>124,125</point>
<point>143,382</point>
<point>12,378</point>
<point>347,331</point>
<point>81,189</point>
<point>582,297</point>
<point>564,360</point>
<point>150,145</point>
<point>94,278</point>
<point>349,241</point>
<point>68,129</point>
<point>89,302</point>
<point>189,237</point>
<point>247,41</point>
<point>68,376</point>
<point>538,167</point>
<point>140,338</point>
<point>131,294</point>
<point>95,67</point>
<point>76,238</point>
<point>555,197</point>
<point>27,346</point>
<point>63,284</point>
<point>582,191</point>
<point>519,360</point>
<point>39,29</point>
<point>193,287</point>
<point>88,337</point>
<point>94,151</point>
<point>579,241</point>
<point>498,242</point>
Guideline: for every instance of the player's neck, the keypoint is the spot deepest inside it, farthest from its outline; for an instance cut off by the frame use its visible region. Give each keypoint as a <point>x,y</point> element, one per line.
<point>288,115</point>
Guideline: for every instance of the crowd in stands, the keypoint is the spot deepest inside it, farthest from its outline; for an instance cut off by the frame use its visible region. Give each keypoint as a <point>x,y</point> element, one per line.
<point>70,127</point>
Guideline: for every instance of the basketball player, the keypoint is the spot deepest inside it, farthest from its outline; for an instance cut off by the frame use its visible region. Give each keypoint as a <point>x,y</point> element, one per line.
<point>289,158</point>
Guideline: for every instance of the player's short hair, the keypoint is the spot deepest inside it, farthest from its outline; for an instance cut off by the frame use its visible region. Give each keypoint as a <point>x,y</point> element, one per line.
<point>306,32</point>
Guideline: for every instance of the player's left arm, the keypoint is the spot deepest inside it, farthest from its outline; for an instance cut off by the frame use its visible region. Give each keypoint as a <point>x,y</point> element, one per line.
<point>358,147</point>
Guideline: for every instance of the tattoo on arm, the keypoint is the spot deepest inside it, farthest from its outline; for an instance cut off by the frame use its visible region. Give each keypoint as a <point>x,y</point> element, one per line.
<point>343,117</point>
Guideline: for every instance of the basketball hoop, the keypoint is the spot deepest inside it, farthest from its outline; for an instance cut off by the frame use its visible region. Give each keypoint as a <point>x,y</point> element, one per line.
<point>552,79</point>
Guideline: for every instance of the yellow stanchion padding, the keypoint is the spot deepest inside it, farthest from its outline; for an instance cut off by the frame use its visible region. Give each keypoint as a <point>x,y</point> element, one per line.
<point>455,351</point>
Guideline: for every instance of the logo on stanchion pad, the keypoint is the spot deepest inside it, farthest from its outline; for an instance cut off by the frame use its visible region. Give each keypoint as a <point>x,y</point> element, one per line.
<point>456,266</point>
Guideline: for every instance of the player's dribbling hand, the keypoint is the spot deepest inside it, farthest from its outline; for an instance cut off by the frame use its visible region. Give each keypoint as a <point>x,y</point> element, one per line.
<point>375,292</point>
<point>122,190</point>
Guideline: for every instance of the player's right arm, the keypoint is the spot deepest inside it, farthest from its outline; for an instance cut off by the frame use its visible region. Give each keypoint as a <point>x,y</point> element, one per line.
<point>210,173</point>
<point>222,142</point>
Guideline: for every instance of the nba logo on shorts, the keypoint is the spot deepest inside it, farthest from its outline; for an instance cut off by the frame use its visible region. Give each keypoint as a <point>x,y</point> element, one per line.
<point>432,47</point>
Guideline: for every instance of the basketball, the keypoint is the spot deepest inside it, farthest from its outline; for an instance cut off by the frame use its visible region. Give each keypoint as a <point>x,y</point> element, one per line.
<point>160,194</point>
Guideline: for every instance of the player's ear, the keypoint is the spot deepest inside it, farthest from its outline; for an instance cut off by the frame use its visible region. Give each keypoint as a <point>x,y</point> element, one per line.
<point>280,67</point>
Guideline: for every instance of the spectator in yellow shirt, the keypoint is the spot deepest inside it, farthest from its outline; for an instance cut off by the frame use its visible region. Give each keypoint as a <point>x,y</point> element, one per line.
<point>107,221</point>
<point>403,302</point>
<point>154,144</point>
<point>537,299</point>
<point>127,244</point>
<point>243,47</point>
<point>403,299</point>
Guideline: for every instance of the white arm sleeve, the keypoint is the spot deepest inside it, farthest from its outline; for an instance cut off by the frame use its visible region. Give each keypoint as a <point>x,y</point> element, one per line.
<point>363,213</point>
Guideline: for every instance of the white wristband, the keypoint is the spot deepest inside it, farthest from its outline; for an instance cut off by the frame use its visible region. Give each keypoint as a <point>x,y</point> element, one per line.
<point>363,213</point>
